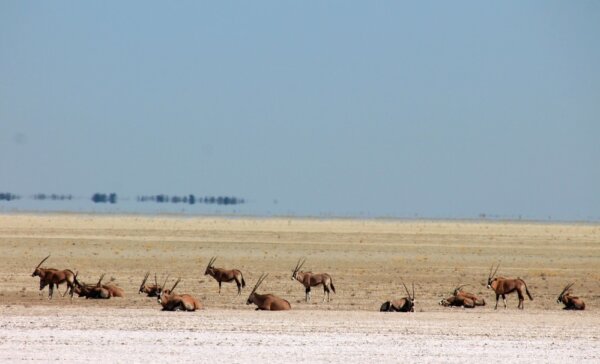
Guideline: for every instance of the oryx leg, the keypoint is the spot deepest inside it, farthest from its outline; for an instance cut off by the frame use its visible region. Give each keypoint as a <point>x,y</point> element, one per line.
<point>239,286</point>
<point>69,286</point>
<point>504,299</point>
<point>50,290</point>
<point>325,292</point>
<point>521,300</point>
<point>219,287</point>
<point>42,285</point>
<point>307,291</point>
<point>497,297</point>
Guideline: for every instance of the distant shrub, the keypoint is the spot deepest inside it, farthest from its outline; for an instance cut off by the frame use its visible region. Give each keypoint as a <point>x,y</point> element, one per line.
<point>104,198</point>
<point>7,196</point>
<point>191,199</point>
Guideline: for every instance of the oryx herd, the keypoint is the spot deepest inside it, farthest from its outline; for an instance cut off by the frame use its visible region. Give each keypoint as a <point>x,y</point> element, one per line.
<point>171,301</point>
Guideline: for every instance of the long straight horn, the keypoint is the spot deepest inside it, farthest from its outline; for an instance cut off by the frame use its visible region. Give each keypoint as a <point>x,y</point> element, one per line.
<point>566,288</point>
<point>145,279</point>
<point>297,265</point>
<point>260,280</point>
<point>43,260</point>
<point>406,288</point>
<point>302,264</point>
<point>490,273</point>
<point>211,261</point>
<point>496,271</point>
<point>100,280</point>
<point>413,287</point>
<point>165,282</point>
<point>175,285</point>
<point>155,281</point>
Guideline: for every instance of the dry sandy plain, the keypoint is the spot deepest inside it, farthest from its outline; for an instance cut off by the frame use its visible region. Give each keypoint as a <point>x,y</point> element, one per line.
<point>367,259</point>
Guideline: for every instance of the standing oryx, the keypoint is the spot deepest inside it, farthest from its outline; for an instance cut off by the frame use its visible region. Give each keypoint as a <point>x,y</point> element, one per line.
<point>53,277</point>
<point>406,304</point>
<point>570,302</point>
<point>225,275</point>
<point>309,279</point>
<point>503,286</point>
<point>267,302</point>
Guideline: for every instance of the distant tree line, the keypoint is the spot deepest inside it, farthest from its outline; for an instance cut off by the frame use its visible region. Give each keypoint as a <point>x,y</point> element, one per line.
<point>191,199</point>
<point>104,197</point>
<point>54,196</point>
<point>7,196</point>
<point>112,198</point>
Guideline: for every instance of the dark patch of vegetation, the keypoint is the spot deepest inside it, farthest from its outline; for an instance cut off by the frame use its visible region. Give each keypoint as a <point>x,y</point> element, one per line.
<point>54,197</point>
<point>7,196</point>
<point>112,198</point>
<point>191,199</point>
<point>104,198</point>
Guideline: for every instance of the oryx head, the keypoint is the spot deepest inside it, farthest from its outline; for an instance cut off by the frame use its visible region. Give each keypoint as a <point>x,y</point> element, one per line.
<point>564,292</point>
<point>458,289</point>
<point>37,271</point>
<point>299,265</point>
<point>210,267</point>
<point>161,289</point>
<point>491,276</point>
<point>250,300</point>
<point>167,291</point>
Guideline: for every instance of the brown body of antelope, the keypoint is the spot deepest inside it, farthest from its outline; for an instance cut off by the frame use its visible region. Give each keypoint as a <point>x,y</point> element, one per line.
<point>98,290</point>
<point>177,302</point>
<point>225,275</point>
<point>267,302</point>
<point>571,302</point>
<point>458,301</point>
<point>151,289</point>
<point>114,290</point>
<point>406,304</point>
<point>503,286</point>
<point>476,300</point>
<point>91,291</point>
<point>462,298</point>
<point>54,277</point>
<point>309,279</point>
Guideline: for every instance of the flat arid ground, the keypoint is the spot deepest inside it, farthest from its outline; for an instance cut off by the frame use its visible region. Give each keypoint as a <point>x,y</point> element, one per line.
<point>366,258</point>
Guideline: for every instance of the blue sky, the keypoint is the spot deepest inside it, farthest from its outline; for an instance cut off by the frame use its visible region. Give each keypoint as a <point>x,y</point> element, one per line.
<point>435,109</point>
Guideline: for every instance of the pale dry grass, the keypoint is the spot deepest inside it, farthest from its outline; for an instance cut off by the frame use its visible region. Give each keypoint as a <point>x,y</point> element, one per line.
<point>366,258</point>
